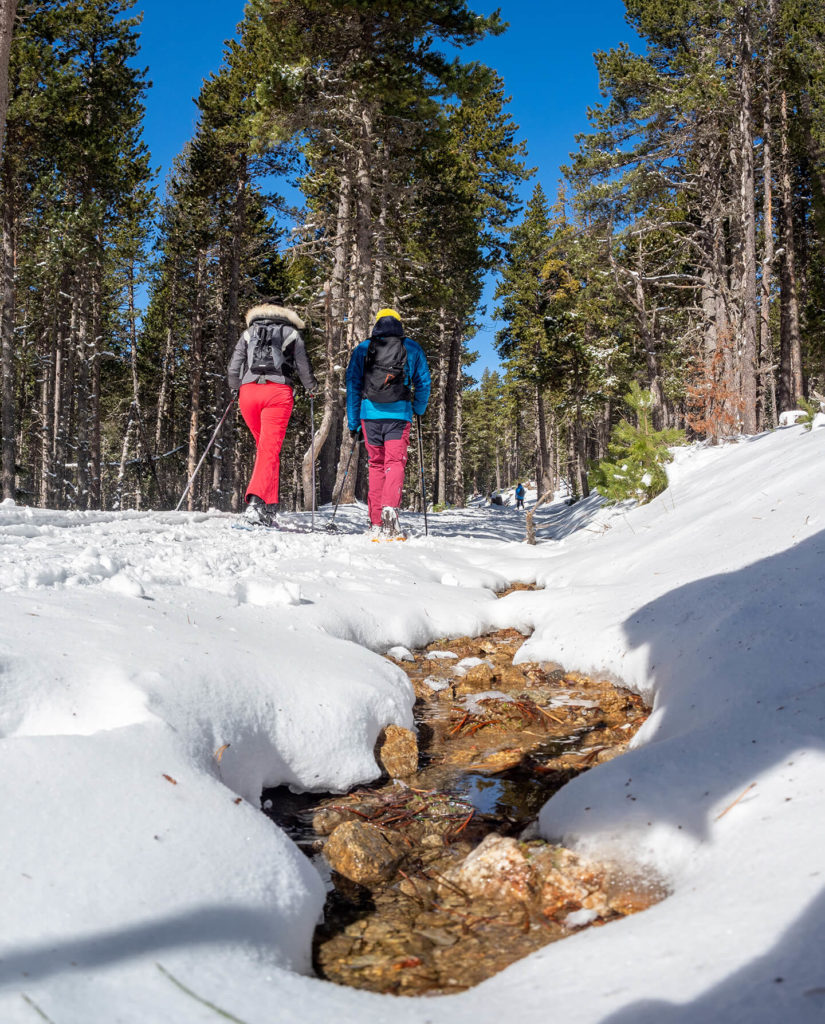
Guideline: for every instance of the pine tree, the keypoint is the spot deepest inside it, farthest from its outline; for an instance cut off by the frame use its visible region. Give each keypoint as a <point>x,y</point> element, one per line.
<point>635,467</point>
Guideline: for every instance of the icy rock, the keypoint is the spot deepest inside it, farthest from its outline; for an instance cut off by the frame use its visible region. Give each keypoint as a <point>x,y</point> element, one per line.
<point>400,654</point>
<point>441,655</point>
<point>496,869</point>
<point>362,852</point>
<point>397,752</point>
<point>580,918</point>
<point>464,666</point>
<point>436,684</point>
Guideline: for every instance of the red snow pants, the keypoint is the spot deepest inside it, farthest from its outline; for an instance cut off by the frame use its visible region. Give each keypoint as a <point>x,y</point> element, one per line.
<point>266,409</point>
<point>387,442</point>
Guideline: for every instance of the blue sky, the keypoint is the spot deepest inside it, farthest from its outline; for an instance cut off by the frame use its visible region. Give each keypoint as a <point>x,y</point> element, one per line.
<point>545,59</point>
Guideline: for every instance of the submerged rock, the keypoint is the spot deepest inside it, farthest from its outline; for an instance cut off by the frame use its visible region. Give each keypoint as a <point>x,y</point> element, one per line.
<point>363,853</point>
<point>496,869</point>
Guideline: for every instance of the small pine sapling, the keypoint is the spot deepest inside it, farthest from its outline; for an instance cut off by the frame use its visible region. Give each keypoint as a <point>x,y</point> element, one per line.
<point>810,409</point>
<point>637,455</point>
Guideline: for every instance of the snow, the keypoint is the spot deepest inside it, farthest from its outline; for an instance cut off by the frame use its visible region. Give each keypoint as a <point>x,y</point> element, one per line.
<point>157,670</point>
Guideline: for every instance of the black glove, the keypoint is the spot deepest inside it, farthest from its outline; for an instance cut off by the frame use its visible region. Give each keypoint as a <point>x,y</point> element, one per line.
<point>355,434</point>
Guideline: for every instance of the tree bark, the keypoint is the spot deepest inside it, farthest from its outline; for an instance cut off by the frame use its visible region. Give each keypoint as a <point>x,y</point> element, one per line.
<point>442,441</point>
<point>459,496</point>
<point>748,343</point>
<point>544,479</point>
<point>196,378</point>
<point>8,10</point>
<point>8,414</point>
<point>790,360</point>
<point>767,390</point>
<point>335,348</point>
<point>226,454</point>
<point>167,361</point>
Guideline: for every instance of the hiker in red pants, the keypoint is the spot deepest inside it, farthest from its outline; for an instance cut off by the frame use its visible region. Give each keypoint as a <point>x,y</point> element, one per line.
<point>387,381</point>
<point>266,359</point>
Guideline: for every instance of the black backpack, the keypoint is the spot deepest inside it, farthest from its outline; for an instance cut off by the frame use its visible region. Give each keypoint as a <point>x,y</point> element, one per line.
<point>266,349</point>
<point>385,370</point>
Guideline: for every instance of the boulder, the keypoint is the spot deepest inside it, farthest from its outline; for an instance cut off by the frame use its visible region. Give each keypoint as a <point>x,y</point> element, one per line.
<point>363,853</point>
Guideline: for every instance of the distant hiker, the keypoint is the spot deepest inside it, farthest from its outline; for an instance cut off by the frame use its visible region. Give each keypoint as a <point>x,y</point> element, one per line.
<point>519,496</point>
<point>387,381</point>
<point>261,372</point>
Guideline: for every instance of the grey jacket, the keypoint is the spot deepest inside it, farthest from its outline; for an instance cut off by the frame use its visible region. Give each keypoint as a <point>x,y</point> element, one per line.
<point>296,359</point>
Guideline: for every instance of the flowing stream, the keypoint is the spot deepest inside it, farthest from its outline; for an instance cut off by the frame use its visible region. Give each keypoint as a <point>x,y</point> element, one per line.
<point>436,877</point>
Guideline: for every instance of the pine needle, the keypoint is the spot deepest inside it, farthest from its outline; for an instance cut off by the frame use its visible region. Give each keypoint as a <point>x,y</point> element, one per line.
<point>204,1002</point>
<point>747,789</point>
<point>36,1008</point>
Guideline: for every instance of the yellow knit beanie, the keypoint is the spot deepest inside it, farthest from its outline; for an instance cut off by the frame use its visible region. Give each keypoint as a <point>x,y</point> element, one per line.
<point>386,312</point>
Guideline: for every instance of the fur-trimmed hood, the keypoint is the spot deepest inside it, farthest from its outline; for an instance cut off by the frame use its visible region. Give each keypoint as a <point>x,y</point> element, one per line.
<point>267,312</point>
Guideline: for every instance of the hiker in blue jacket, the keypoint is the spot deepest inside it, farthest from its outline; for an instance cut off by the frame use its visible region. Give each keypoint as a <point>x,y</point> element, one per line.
<point>387,381</point>
<point>520,496</point>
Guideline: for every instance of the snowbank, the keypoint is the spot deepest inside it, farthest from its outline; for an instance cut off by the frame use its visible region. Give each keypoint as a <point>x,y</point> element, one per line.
<point>158,669</point>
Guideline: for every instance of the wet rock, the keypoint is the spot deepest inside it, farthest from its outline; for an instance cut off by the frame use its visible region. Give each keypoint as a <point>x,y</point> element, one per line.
<point>496,869</point>
<point>327,819</point>
<point>438,936</point>
<point>498,760</point>
<point>363,853</point>
<point>568,883</point>
<point>479,677</point>
<point>397,752</point>
<point>511,678</point>
<point>630,893</point>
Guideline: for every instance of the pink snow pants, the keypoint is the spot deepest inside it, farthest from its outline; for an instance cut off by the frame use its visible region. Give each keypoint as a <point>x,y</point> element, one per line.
<point>266,409</point>
<point>387,442</point>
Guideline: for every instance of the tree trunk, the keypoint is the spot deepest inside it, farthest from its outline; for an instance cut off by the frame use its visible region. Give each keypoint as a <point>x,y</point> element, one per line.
<point>458,451</point>
<point>544,479</point>
<point>80,393</point>
<point>442,440</point>
<point>767,390</point>
<point>196,378</point>
<point>8,10</point>
<point>8,417</point>
<point>167,363</point>
<point>226,453</point>
<point>748,343</point>
<point>335,349</point>
<point>790,362</point>
<point>361,279</point>
<point>95,482</point>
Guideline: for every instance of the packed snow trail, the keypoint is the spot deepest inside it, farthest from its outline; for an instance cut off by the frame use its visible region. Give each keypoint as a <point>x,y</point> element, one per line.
<point>137,645</point>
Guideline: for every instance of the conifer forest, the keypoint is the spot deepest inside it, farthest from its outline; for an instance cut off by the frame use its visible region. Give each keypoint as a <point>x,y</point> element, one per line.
<point>681,255</point>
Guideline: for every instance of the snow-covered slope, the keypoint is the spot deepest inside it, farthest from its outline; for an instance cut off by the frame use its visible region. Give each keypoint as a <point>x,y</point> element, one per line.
<point>158,669</point>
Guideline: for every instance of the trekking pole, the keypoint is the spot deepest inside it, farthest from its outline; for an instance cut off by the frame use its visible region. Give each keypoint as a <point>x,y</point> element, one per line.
<point>312,452</point>
<point>206,450</point>
<point>331,527</point>
<point>421,464</point>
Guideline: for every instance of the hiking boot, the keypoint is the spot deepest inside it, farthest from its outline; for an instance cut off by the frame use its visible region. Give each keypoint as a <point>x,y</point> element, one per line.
<point>389,522</point>
<point>258,513</point>
<point>376,531</point>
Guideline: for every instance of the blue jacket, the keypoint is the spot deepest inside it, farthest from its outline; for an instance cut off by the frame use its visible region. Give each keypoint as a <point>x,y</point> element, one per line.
<point>417,376</point>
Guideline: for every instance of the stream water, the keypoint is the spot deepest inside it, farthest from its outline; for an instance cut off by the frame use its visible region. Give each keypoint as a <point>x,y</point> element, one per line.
<point>434,881</point>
